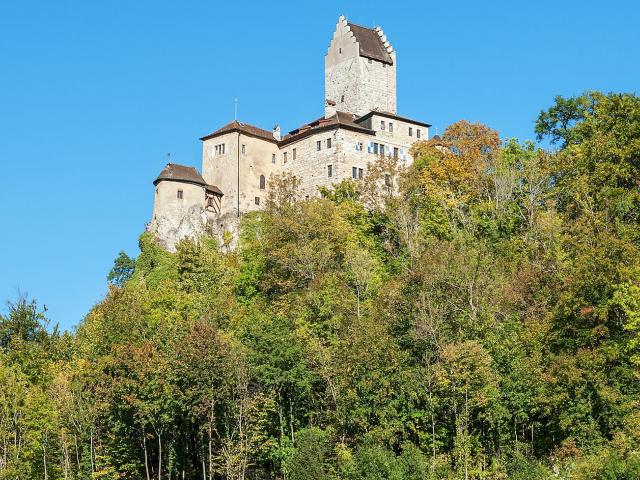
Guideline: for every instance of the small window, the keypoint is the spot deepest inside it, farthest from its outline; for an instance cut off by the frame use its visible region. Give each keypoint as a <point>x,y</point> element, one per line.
<point>273,158</point>
<point>390,127</point>
<point>329,171</point>
<point>418,133</point>
<point>257,200</point>
<point>360,173</point>
<point>359,146</point>
<point>354,172</point>
<point>342,99</point>
<point>375,149</point>
<point>381,149</point>
<point>340,50</point>
<point>294,153</point>
<point>180,194</point>
<point>411,131</point>
<point>284,155</point>
<point>387,180</point>
<point>243,148</point>
<point>263,182</point>
<point>328,143</point>
<point>381,124</point>
<point>395,152</point>
<point>318,145</point>
<point>370,60</point>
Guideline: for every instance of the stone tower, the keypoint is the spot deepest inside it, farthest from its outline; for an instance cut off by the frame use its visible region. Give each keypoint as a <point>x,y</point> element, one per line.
<point>359,71</point>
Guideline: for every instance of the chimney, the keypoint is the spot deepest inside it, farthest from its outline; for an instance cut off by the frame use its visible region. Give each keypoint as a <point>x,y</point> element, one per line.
<point>276,133</point>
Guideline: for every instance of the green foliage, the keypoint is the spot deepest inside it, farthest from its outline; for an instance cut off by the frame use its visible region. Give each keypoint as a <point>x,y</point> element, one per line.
<point>122,270</point>
<point>475,315</point>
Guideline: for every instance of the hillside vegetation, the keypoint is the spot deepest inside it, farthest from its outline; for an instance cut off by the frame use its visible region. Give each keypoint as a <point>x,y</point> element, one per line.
<point>475,316</point>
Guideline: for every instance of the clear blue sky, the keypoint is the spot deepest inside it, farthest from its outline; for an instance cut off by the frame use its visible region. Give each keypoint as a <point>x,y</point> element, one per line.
<point>94,94</point>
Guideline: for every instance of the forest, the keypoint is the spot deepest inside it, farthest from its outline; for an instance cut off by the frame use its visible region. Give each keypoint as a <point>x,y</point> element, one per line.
<point>475,315</point>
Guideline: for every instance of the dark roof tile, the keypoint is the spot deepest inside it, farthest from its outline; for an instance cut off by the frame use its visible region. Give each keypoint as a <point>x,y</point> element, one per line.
<point>237,126</point>
<point>371,45</point>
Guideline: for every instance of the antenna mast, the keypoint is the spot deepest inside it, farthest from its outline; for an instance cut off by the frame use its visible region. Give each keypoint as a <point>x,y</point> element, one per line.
<point>235,109</point>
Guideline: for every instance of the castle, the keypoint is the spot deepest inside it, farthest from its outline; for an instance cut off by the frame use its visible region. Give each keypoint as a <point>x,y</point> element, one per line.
<point>360,123</point>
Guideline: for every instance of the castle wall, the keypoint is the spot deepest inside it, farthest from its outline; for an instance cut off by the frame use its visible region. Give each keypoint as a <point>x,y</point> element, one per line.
<point>376,86</point>
<point>221,169</point>
<point>167,204</point>
<point>399,137</point>
<point>256,160</point>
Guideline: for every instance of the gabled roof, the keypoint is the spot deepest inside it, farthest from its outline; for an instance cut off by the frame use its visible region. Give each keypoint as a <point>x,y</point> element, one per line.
<point>245,128</point>
<point>391,115</point>
<point>371,45</point>
<point>181,173</point>
<point>339,120</point>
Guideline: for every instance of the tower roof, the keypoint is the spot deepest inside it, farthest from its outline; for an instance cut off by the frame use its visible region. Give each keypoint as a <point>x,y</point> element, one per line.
<point>181,173</point>
<point>236,126</point>
<point>371,44</point>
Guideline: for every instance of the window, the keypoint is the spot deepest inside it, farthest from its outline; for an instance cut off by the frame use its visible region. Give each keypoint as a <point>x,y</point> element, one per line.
<point>329,171</point>
<point>387,180</point>
<point>328,143</point>
<point>219,149</point>
<point>243,148</point>
<point>180,194</point>
<point>294,153</point>
<point>418,133</point>
<point>284,155</point>
<point>370,61</point>
<point>273,158</point>
<point>263,182</point>
<point>375,149</point>
<point>318,145</point>
<point>354,172</point>
<point>411,131</point>
<point>257,200</point>
<point>381,149</point>
<point>395,152</point>
<point>390,127</point>
<point>342,99</point>
<point>381,124</point>
<point>359,146</point>
<point>340,50</point>
<point>360,173</point>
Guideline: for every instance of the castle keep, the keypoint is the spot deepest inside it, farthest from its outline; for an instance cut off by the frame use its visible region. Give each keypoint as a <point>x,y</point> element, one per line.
<point>360,123</point>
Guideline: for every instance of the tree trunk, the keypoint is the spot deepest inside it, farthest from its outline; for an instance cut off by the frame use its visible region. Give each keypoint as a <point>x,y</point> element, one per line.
<point>146,455</point>
<point>159,457</point>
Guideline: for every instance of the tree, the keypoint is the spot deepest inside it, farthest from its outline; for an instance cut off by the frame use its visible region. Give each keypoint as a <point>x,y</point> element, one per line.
<point>122,270</point>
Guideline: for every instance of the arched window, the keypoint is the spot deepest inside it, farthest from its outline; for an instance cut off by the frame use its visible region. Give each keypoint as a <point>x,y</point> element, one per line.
<point>263,182</point>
